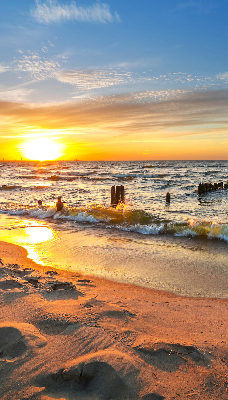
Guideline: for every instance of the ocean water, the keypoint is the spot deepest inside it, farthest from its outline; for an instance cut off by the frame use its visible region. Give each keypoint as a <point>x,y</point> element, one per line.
<point>179,247</point>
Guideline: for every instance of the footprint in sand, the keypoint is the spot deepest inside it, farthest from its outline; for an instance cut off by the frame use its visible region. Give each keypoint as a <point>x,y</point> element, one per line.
<point>8,284</point>
<point>153,396</point>
<point>117,314</point>
<point>17,339</point>
<point>57,325</point>
<point>169,357</point>
<point>91,377</point>
<point>61,291</point>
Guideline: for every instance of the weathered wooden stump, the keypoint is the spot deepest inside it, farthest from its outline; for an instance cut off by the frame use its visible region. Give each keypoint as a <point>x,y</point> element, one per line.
<point>113,195</point>
<point>117,195</point>
<point>208,187</point>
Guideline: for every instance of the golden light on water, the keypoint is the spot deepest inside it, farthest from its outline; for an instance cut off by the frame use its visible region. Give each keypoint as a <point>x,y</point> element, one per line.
<point>33,255</point>
<point>42,149</point>
<point>30,237</point>
<point>38,234</point>
<point>35,235</point>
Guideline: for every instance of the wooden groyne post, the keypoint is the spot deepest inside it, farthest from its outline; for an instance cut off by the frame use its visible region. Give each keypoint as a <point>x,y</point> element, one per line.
<point>208,187</point>
<point>117,195</point>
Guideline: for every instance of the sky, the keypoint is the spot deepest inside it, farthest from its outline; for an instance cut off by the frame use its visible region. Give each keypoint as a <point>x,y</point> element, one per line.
<point>115,80</point>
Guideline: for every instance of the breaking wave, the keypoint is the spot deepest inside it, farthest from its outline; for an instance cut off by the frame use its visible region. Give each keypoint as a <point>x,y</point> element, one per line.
<point>127,219</point>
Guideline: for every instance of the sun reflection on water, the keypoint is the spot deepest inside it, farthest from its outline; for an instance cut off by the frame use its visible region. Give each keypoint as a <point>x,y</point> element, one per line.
<point>35,235</point>
<point>38,234</point>
<point>30,235</point>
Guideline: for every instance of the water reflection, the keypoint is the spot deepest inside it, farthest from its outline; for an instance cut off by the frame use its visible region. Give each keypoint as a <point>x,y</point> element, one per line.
<point>33,255</point>
<point>35,235</point>
<point>204,200</point>
<point>29,234</point>
<point>38,234</point>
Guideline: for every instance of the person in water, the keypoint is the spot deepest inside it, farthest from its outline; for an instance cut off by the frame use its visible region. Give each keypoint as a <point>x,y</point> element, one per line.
<point>40,205</point>
<point>59,204</point>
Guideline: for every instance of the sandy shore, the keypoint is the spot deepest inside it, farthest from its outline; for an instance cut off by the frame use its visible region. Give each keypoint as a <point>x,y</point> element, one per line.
<point>66,336</point>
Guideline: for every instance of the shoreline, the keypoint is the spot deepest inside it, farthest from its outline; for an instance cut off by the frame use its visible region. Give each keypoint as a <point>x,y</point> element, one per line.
<point>184,266</point>
<point>67,335</point>
<point>15,254</point>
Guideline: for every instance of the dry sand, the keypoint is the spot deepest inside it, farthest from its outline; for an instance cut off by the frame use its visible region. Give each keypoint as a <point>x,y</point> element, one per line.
<point>66,336</point>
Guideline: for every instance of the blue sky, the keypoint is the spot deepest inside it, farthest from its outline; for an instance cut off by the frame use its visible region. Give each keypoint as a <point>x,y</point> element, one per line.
<point>145,71</point>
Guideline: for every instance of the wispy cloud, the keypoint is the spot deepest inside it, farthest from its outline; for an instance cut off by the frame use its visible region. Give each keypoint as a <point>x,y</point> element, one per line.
<point>171,115</point>
<point>190,3</point>
<point>90,79</point>
<point>51,11</point>
<point>38,68</point>
<point>15,95</point>
<point>223,76</point>
<point>3,68</point>
<point>197,5</point>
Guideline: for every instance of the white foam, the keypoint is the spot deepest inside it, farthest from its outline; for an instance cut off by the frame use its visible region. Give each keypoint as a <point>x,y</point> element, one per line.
<point>80,217</point>
<point>144,229</point>
<point>18,212</point>
<point>42,213</point>
<point>186,233</point>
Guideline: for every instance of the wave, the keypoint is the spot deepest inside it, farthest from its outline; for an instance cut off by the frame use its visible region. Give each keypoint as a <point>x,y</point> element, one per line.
<point>127,219</point>
<point>212,172</point>
<point>9,187</point>
<point>209,231</point>
<point>29,177</point>
<point>87,177</point>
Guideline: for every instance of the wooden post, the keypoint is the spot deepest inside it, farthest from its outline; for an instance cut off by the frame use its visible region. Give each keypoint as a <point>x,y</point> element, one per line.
<point>208,187</point>
<point>122,197</point>
<point>113,196</point>
<point>117,195</point>
<point>220,185</point>
<point>118,192</point>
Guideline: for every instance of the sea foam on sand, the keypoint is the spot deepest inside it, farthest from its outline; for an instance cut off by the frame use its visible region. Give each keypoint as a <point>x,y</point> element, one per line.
<point>66,336</point>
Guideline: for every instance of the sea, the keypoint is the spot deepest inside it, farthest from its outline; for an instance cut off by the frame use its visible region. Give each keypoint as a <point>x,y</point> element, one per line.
<point>179,247</point>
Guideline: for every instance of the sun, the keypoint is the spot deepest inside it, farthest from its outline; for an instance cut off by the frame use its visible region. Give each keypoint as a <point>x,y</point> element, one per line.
<point>42,149</point>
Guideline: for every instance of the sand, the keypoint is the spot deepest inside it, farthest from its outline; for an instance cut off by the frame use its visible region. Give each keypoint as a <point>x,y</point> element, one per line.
<point>68,336</point>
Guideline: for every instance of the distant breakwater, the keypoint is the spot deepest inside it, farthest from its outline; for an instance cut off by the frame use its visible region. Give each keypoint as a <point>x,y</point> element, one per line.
<point>209,187</point>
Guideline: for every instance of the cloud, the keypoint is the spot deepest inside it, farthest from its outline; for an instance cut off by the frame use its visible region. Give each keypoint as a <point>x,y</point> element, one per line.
<point>190,3</point>
<point>52,11</point>
<point>223,76</point>
<point>198,5</point>
<point>180,113</point>
<point>95,79</point>
<point>37,67</point>
<point>15,95</point>
<point>90,79</point>
<point>3,68</point>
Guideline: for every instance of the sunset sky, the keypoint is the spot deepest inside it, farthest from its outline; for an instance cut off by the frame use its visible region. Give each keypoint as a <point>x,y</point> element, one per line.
<point>115,80</point>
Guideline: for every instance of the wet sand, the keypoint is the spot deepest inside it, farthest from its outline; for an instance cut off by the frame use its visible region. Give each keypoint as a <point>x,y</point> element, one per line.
<point>68,336</point>
<point>185,266</point>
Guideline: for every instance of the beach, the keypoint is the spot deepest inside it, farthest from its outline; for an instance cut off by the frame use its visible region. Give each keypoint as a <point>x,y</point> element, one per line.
<point>114,200</point>
<point>64,335</point>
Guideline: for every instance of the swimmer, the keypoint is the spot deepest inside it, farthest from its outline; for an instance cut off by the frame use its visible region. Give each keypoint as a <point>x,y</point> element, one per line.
<point>40,205</point>
<point>59,204</point>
